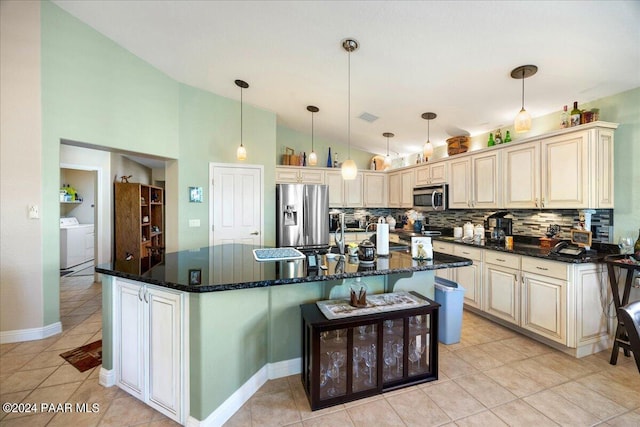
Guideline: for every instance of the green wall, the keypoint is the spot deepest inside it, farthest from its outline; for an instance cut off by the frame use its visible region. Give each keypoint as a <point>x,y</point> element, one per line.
<point>301,142</point>
<point>96,92</point>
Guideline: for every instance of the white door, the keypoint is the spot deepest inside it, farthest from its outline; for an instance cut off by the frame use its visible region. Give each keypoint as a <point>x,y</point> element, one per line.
<point>237,217</point>
<point>237,204</point>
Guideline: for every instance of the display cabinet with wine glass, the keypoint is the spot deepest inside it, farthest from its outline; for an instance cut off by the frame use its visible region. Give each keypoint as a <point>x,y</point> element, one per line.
<point>359,356</point>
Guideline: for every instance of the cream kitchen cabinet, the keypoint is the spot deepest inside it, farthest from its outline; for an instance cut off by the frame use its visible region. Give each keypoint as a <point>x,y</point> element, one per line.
<point>375,189</point>
<point>475,181</point>
<point>150,346</point>
<point>502,286</point>
<point>470,276</point>
<point>401,189</point>
<point>544,298</point>
<point>432,173</point>
<point>566,170</point>
<point>344,193</point>
<point>445,248</point>
<point>299,175</point>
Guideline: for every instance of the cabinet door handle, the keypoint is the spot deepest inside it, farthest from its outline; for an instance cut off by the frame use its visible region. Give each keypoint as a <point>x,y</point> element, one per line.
<point>255,233</point>
<point>466,253</point>
<point>536,201</point>
<point>542,202</point>
<point>542,268</point>
<point>146,295</point>
<point>140,293</point>
<point>501,260</point>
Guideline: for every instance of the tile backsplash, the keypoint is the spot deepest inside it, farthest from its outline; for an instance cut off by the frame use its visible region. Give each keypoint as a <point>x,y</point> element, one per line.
<point>525,222</point>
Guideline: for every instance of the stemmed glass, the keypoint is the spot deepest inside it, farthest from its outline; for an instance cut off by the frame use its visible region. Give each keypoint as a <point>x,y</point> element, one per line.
<point>419,349</point>
<point>626,245</point>
<point>413,356</point>
<point>389,325</point>
<point>397,351</point>
<point>362,331</point>
<point>337,357</point>
<point>356,360</point>
<point>388,358</point>
<point>370,361</point>
<point>334,373</point>
<point>338,339</point>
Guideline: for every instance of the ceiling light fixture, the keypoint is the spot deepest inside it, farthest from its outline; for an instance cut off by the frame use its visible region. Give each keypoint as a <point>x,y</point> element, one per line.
<point>387,160</point>
<point>241,154</point>
<point>313,158</point>
<point>522,122</point>
<point>427,150</point>
<point>349,168</point>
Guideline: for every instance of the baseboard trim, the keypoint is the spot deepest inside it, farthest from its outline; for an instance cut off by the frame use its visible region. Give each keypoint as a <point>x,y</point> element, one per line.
<point>107,377</point>
<point>230,406</point>
<point>30,334</point>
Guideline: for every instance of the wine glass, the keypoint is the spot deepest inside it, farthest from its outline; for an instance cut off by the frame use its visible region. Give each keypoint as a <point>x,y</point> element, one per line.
<point>388,358</point>
<point>356,360</point>
<point>338,339</point>
<point>389,325</point>
<point>362,330</point>
<point>413,356</point>
<point>397,351</point>
<point>337,357</point>
<point>370,361</point>
<point>626,245</point>
<point>334,373</point>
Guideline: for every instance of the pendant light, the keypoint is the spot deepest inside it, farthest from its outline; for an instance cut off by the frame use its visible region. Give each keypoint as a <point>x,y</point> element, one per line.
<point>349,168</point>
<point>313,158</point>
<point>522,122</point>
<point>241,153</point>
<point>427,150</point>
<point>387,159</point>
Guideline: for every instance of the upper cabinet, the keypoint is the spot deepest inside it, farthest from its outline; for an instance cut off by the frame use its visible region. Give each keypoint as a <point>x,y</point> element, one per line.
<point>344,193</point>
<point>401,189</point>
<point>299,175</point>
<point>375,189</point>
<point>474,181</point>
<point>434,173</point>
<point>572,170</point>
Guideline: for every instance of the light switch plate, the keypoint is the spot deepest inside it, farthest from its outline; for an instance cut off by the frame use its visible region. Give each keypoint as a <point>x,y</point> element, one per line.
<point>194,223</point>
<point>34,212</point>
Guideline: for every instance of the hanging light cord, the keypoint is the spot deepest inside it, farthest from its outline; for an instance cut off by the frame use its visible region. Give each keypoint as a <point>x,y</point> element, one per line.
<point>349,108</point>
<point>523,88</point>
<point>312,131</point>
<point>428,130</point>
<point>387,146</point>
<point>241,116</point>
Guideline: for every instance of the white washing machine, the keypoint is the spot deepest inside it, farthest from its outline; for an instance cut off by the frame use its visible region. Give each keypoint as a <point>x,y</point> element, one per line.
<point>76,242</point>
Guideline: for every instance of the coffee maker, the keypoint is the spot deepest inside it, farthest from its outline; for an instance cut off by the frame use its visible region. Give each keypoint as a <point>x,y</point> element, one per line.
<point>499,226</point>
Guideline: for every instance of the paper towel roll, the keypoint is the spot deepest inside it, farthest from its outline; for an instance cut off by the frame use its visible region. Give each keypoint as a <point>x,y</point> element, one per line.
<point>382,239</point>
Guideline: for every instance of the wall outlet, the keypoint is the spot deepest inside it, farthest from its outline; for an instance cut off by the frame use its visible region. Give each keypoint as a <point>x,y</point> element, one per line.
<point>194,223</point>
<point>34,212</point>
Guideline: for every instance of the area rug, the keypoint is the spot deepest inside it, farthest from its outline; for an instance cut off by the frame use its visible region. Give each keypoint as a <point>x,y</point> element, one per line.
<point>65,272</point>
<point>85,357</point>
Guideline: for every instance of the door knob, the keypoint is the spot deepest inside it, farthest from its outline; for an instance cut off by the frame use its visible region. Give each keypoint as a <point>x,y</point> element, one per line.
<point>255,233</point>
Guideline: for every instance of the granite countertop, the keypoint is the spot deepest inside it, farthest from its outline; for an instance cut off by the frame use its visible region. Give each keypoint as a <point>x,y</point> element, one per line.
<point>232,267</point>
<point>523,246</point>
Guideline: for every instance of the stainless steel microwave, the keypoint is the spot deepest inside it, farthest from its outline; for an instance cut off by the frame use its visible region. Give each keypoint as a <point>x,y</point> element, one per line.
<point>430,197</point>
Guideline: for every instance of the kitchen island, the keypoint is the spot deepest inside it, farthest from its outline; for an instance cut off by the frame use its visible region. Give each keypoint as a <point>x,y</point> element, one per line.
<point>198,334</point>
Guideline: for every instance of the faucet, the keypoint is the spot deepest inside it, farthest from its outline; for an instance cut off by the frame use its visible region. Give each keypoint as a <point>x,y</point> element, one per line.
<point>340,241</point>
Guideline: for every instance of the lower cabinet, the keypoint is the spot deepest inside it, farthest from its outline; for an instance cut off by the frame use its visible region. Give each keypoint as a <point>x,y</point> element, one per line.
<point>470,276</point>
<point>352,358</point>
<point>150,357</point>
<point>502,292</point>
<point>544,298</point>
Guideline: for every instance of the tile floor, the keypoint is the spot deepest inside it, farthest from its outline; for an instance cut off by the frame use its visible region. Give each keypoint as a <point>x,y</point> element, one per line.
<point>493,377</point>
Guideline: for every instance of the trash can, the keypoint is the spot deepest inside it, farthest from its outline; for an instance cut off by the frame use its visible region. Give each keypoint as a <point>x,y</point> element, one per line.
<point>450,296</point>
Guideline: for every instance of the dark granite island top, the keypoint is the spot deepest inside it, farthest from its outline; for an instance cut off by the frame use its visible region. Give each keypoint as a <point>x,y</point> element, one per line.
<point>232,267</point>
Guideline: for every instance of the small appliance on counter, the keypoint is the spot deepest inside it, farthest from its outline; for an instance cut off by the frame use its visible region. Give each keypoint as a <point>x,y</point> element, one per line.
<point>499,226</point>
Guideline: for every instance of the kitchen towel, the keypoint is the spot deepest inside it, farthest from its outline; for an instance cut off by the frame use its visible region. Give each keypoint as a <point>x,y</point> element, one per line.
<point>382,239</point>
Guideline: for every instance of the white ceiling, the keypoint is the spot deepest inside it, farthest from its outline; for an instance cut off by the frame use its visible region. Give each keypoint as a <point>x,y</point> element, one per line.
<point>453,58</point>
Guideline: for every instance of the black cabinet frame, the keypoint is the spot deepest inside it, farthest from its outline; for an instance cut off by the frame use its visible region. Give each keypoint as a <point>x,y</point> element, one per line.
<point>314,323</point>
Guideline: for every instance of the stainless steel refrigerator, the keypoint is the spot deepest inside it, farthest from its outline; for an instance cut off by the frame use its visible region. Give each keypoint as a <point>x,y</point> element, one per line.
<point>302,216</point>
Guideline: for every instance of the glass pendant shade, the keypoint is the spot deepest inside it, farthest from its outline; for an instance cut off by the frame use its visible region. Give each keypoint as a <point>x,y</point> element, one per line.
<point>387,161</point>
<point>427,150</point>
<point>241,154</point>
<point>313,159</point>
<point>522,123</point>
<point>349,170</point>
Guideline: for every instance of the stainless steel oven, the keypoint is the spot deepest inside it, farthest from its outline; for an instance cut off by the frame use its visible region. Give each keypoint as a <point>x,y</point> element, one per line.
<point>430,197</point>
